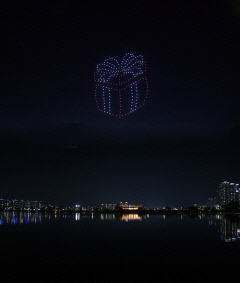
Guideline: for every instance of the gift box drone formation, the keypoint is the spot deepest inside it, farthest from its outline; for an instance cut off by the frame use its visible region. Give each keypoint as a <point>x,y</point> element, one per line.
<point>121,86</point>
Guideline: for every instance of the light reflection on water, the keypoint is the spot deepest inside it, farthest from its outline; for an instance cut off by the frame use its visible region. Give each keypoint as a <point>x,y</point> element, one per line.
<point>227,227</point>
<point>130,217</point>
<point>20,218</point>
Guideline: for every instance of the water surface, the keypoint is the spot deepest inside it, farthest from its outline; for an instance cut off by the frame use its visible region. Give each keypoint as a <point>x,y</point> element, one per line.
<point>111,248</point>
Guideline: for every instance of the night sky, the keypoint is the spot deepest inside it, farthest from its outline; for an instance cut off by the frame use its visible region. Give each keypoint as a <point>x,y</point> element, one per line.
<point>56,145</point>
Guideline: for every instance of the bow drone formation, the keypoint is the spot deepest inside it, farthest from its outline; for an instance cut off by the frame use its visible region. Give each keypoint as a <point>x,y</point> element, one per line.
<point>121,86</point>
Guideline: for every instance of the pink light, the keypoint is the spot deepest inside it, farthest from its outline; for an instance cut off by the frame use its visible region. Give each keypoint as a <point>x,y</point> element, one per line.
<point>121,87</point>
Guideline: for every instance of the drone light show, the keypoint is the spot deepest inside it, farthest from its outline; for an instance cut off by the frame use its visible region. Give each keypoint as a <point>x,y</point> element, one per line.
<point>121,86</point>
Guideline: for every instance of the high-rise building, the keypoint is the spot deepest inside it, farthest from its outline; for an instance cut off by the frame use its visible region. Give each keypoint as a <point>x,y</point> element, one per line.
<point>228,193</point>
<point>107,206</point>
<point>2,204</point>
<point>6,204</point>
<point>36,204</point>
<point>18,204</point>
<point>212,202</point>
<point>32,205</point>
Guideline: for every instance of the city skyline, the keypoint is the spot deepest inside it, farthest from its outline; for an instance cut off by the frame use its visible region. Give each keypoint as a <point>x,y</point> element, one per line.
<point>227,196</point>
<point>225,192</point>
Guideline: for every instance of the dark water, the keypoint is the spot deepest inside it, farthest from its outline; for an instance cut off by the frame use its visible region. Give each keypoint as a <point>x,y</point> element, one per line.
<point>130,248</point>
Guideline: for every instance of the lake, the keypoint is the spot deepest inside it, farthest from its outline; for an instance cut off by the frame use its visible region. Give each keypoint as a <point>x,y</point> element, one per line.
<point>126,248</point>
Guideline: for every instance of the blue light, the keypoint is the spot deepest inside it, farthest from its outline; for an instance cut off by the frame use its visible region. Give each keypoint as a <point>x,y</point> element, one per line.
<point>121,85</point>
<point>14,221</point>
<point>131,105</point>
<point>104,99</point>
<point>112,68</point>
<point>109,102</point>
<point>136,101</point>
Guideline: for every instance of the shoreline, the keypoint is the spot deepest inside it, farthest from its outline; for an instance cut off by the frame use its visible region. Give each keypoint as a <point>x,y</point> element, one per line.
<point>139,212</point>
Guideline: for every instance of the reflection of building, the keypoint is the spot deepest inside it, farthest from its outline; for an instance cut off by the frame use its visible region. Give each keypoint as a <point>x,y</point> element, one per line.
<point>129,207</point>
<point>108,216</point>
<point>229,230</point>
<point>130,217</point>
<point>11,217</point>
<point>228,227</point>
<point>228,192</point>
